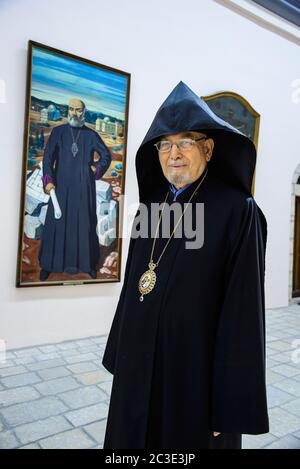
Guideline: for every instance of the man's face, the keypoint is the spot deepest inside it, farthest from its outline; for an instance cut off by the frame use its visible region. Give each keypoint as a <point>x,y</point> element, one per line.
<point>76,113</point>
<point>181,167</point>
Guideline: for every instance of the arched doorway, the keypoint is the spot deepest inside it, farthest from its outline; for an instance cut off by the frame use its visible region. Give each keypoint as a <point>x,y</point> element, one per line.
<point>295,238</point>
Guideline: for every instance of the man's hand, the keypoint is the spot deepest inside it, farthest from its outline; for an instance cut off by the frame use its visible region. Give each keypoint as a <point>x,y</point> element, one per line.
<point>216,433</point>
<point>57,213</point>
<point>57,210</point>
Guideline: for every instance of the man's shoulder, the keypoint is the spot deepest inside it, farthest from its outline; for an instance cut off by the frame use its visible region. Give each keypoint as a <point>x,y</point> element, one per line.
<point>58,129</point>
<point>237,202</point>
<point>229,194</point>
<point>91,131</point>
<point>245,210</point>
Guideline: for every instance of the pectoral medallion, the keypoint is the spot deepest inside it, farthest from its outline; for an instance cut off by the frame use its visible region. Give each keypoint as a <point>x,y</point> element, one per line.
<point>74,149</point>
<point>147,281</point>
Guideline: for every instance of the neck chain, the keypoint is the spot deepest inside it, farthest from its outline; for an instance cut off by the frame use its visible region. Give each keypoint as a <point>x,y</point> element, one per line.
<point>74,146</point>
<point>148,279</point>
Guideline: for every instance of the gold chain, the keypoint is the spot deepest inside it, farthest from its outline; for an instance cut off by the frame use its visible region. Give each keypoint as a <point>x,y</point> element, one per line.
<point>154,242</point>
<point>148,279</point>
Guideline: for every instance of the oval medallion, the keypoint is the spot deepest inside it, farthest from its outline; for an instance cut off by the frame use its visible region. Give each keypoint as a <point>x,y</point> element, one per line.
<point>147,281</point>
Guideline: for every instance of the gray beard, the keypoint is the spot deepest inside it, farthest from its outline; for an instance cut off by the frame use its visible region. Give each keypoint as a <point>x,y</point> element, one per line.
<point>76,121</point>
<point>179,179</point>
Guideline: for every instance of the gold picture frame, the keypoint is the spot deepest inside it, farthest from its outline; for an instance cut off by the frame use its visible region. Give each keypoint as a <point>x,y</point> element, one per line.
<point>238,112</point>
<point>55,79</point>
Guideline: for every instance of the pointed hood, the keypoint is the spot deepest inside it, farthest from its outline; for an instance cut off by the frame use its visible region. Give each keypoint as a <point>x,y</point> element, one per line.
<point>234,154</point>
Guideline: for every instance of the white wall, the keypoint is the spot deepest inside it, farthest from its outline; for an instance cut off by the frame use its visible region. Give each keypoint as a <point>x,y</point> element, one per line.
<point>203,43</point>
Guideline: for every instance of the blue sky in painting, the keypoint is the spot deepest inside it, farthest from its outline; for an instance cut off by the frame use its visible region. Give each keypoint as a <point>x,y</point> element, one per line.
<point>59,78</point>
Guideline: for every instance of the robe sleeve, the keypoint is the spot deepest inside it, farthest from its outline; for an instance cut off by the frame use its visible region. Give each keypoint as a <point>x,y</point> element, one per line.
<point>239,402</point>
<point>102,165</point>
<point>50,156</point>
<point>109,356</point>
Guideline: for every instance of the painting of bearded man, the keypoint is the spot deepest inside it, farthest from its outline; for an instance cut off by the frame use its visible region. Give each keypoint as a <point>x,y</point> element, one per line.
<point>69,241</point>
<point>73,177</point>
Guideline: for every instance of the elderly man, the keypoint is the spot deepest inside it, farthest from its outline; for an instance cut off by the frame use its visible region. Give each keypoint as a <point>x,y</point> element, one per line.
<point>187,343</point>
<point>69,239</point>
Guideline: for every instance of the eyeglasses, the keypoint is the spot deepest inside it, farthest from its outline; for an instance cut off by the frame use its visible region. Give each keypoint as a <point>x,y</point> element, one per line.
<point>182,144</point>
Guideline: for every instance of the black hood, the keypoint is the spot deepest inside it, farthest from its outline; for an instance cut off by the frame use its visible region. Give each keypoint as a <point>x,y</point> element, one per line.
<point>234,154</point>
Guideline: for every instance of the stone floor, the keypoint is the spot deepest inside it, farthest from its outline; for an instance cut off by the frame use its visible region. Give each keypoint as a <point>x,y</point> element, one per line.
<point>57,396</point>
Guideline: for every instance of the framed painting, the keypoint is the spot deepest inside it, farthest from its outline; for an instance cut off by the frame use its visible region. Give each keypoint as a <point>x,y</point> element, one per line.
<point>74,163</point>
<point>238,112</point>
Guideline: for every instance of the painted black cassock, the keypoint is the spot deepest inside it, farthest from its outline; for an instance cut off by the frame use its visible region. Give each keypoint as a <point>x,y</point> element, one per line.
<point>70,244</point>
<point>190,358</point>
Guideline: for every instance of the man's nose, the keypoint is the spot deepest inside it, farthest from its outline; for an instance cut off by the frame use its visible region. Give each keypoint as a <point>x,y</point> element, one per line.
<point>174,152</point>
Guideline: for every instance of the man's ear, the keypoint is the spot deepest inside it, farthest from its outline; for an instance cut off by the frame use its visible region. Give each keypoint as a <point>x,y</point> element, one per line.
<point>209,146</point>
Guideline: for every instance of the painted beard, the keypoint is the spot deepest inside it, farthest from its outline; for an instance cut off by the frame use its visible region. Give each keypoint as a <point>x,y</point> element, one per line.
<point>75,121</point>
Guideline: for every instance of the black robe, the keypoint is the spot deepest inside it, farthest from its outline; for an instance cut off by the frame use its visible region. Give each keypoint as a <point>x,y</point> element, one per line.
<point>190,358</point>
<point>70,244</point>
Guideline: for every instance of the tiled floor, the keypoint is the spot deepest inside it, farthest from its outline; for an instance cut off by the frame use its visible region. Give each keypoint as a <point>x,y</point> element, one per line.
<point>57,396</point>
<point>283,379</point>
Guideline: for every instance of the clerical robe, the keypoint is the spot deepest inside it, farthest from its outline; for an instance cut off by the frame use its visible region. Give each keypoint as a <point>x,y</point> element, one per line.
<point>70,244</point>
